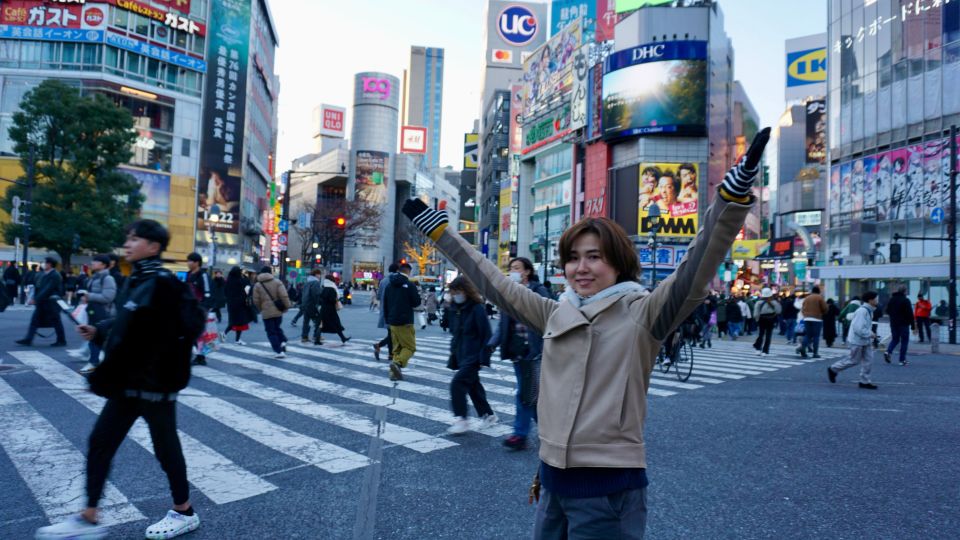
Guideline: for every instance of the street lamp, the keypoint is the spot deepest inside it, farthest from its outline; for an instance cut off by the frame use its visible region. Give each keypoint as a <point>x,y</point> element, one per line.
<point>213,217</point>
<point>653,220</point>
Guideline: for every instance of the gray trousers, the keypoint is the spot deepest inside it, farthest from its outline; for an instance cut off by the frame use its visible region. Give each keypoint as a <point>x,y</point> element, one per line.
<point>621,515</point>
<point>859,354</point>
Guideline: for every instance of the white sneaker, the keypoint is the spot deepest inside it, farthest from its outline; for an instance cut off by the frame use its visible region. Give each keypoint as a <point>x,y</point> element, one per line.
<point>459,426</point>
<point>78,352</point>
<point>73,528</point>
<point>766,354</point>
<point>240,342</point>
<point>759,353</point>
<point>89,368</point>
<point>280,355</point>
<point>173,525</point>
<point>490,420</point>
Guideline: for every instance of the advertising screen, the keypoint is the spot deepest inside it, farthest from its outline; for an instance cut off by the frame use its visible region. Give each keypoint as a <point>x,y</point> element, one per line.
<point>471,150</point>
<point>673,188</point>
<point>155,188</point>
<point>656,88</point>
<point>816,131</point>
<point>372,176</point>
<point>548,74</point>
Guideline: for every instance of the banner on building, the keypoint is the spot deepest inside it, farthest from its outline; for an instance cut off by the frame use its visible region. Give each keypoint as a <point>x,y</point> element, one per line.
<point>371,179</point>
<point>221,155</point>
<point>807,67</point>
<point>471,150</point>
<point>581,82</point>
<point>413,140</point>
<point>816,131</point>
<point>746,250</point>
<point>673,188</point>
<point>606,20</point>
<point>548,72</point>
<point>331,121</point>
<point>564,12</point>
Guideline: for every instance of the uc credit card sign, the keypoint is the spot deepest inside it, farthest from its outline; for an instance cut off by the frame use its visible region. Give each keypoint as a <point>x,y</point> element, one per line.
<point>807,67</point>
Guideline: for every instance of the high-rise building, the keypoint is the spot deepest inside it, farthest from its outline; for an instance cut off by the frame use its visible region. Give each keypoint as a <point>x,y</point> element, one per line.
<point>424,98</point>
<point>893,74</point>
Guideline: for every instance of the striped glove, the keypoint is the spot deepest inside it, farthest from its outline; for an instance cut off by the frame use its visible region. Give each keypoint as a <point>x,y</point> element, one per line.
<point>739,179</point>
<point>431,222</point>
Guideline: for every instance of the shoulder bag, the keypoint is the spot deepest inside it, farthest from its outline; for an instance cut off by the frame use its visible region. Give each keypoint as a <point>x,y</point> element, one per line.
<point>277,303</point>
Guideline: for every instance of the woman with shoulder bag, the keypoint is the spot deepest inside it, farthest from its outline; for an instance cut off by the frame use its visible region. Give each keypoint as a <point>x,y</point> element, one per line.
<point>765,311</point>
<point>270,297</point>
<point>329,305</point>
<point>470,329</point>
<point>600,344</point>
<point>239,306</point>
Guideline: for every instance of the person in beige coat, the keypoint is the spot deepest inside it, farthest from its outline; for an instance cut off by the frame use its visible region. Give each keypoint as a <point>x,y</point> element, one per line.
<point>600,343</point>
<point>269,295</point>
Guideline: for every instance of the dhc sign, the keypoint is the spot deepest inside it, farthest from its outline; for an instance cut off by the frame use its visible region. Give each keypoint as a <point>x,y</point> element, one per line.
<point>517,25</point>
<point>807,67</point>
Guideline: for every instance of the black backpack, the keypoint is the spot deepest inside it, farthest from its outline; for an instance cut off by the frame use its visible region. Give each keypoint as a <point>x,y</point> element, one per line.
<point>193,318</point>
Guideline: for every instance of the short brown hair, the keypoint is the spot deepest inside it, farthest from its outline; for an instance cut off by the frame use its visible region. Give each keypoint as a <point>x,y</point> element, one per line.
<point>462,283</point>
<point>615,246</point>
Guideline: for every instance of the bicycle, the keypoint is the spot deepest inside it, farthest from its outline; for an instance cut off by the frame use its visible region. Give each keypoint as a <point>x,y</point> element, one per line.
<point>677,352</point>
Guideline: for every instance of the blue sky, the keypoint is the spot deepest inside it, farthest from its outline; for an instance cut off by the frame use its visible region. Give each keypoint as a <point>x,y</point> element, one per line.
<point>323,43</point>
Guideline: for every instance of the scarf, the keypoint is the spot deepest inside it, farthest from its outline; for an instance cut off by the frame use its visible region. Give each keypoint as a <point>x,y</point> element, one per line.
<point>578,301</point>
<point>146,267</point>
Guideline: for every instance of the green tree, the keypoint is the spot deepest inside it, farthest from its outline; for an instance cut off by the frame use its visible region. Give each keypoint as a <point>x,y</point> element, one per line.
<point>79,200</point>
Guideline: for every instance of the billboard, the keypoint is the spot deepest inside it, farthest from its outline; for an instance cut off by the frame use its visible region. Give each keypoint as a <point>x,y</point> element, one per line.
<point>904,183</point>
<point>806,67</point>
<point>155,188</point>
<point>371,180</point>
<point>659,87</point>
<point>413,140</point>
<point>564,12</point>
<point>471,150</point>
<point>578,95</point>
<point>332,121</point>
<point>673,188</point>
<point>816,141</point>
<point>225,97</point>
<point>606,19</point>
<point>548,72</point>
<point>513,28</point>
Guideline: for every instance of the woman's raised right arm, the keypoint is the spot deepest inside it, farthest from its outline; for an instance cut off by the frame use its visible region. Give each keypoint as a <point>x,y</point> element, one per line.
<point>519,301</point>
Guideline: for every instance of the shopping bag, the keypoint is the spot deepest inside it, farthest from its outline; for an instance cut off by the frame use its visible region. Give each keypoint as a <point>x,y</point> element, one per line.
<point>421,318</point>
<point>209,341</point>
<point>799,329</point>
<point>80,314</point>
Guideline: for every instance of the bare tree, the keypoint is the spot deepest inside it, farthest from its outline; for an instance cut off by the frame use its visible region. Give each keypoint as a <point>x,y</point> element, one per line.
<point>334,224</point>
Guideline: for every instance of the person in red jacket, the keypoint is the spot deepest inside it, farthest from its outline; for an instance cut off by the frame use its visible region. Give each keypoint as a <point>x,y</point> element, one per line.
<point>921,312</point>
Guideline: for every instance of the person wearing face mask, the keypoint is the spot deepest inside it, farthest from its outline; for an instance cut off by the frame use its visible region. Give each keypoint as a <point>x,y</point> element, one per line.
<point>600,344</point>
<point>522,346</point>
<point>470,331</point>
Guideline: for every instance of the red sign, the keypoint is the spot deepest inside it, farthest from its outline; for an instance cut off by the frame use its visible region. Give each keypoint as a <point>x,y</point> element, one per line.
<point>183,6</point>
<point>35,13</point>
<point>332,121</point>
<point>93,17</point>
<point>413,140</point>
<point>606,19</point>
<point>170,19</point>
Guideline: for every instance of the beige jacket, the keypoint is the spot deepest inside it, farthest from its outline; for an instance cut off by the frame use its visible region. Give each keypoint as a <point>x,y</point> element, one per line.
<point>814,307</point>
<point>597,359</point>
<point>266,282</point>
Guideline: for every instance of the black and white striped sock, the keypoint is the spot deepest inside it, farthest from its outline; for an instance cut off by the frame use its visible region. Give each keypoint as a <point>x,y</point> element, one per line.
<point>739,179</point>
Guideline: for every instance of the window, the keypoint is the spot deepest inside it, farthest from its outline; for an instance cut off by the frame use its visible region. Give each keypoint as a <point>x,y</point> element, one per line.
<point>141,24</point>
<point>120,17</point>
<point>68,53</point>
<point>198,45</point>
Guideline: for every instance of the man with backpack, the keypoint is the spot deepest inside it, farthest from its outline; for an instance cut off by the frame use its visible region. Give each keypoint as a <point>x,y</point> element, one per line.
<point>147,348</point>
<point>765,311</point>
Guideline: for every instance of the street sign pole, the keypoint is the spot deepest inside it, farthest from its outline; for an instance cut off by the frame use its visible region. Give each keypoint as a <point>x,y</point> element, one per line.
<point>952,286</point>
<point>26,219</point>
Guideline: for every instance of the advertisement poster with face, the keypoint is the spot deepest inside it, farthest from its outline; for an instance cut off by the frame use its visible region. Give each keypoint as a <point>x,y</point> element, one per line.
<point>915,174</point>
<point>846,189</point>
<point>857,176</point>
<point>897,208</point>
<point>933,182</point>
<point>870,188</point>
<point>548,73</point>
<point>371,180</point>
<point>673,188</point>
<point>834,190</point>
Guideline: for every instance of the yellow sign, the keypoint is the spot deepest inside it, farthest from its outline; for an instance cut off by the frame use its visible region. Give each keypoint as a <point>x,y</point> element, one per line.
<point>806,67</point>
<point>745,250</point>
<point>673,188</point>
<point>471,150</point>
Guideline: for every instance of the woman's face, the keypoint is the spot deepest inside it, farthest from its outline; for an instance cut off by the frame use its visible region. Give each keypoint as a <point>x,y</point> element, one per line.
<point>517,266</point>
<point>587,272</point>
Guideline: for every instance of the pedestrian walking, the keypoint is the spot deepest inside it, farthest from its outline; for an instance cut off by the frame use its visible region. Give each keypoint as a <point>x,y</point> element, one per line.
<point>70,283</point>
<point>272,300</point>
<point>522,346</point>
<point>723,327</point>
<point>846,315</point>
<point>99,300</point>
<point>788,313</point>
<point>860,340</point>
<point>30,283</point>
<point>830,322</point>
<point>921,313</point>
<point>901,322</point>
<point>600,345</point>
<point>430,304</point>
<point>734,318</point>
<point>240,314</point>
<point>329,310</point>
<point>399,299</point>
<point>118,276</point>
<point>381,323</point>
<point>48,287</point>
<point>199,283</point>
<point>942,313</point>
<point>765,312</point>
<point>747,313</point>
<point>145,366</point>
<point>310,307</point>
<point>813,309</point>
<point>470,333</point>
<point>218,296</point>
<point>12,280</point>
<point>707,316</point>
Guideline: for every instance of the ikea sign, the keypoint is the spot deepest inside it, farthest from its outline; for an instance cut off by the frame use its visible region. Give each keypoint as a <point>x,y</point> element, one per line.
<point>807,67</point>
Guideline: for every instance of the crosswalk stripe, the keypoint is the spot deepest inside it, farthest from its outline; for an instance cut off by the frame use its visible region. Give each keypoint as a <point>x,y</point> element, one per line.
<point>50,465</point>
<point>422,358</point>
<point>413,408</point>
<point>733,364</point>
<point>421,442</point>
<point>323,455</point>
<point>221,480</point>
<point>377,380</point>
<point>723,368</point>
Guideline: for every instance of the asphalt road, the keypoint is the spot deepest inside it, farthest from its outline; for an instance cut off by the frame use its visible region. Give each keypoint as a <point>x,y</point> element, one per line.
<point>322,445</point>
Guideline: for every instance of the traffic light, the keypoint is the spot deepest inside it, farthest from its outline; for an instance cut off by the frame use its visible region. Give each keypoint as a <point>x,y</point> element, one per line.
<point>894,253</point>
<point>341,222</point>
<point>18,212</point>
<point>318,258</point>
<point>403,261</point>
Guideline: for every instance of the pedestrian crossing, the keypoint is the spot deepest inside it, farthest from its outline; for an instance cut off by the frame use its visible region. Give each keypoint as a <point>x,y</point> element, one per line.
<point>260,404</point>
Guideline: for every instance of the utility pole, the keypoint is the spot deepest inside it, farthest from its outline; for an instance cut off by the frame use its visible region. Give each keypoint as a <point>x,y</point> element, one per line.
<point>546,243</point>
<point>952,286</point>
<point>31,170</point>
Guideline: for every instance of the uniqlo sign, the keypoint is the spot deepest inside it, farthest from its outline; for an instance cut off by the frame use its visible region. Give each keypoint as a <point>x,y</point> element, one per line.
<point>332,120</point>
